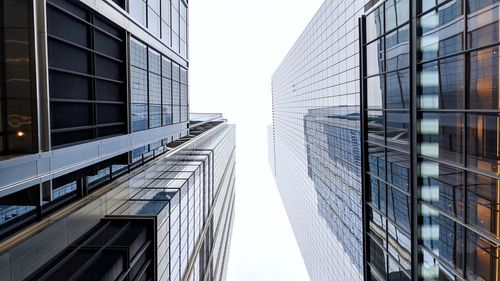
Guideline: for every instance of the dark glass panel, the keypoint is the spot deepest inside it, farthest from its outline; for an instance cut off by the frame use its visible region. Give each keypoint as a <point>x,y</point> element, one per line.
<point>442,136</point>
<point>376,126</point>
<point>398,170</point>
<point>442,31</point>
<point>483,258</point>
<point>443,187</point>
<point>399,245</point>
<point>442,84</point>
<point>397,49</point>
<point>378,194</point>
<point>483,203</point>
<point>483,142</point>
<point>432,270</point>
<point>376,160</point>
<point>428,4</point>
<point>397,126</point>
<point>396,13</point>
<point>482,23</point>
<point>377,258</point>
<point>444,237</point>
<point>484,69</point>
<point>398,90</point>
<point>398,208</point>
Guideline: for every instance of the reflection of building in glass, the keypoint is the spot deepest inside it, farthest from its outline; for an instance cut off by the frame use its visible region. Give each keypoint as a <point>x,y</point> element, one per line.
<point>334,165</point>
<point>440,121</point>
<point>427,81</point>
<point>95,139</point>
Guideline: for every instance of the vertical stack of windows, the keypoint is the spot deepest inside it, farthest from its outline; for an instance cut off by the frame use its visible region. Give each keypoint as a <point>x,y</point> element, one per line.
<point>86,74</point>
<point>17,126</point>
<point>138,85</point>
<point>138,10</point>
<point>184,95</point>
<point>166,29</point>
<point>166,91</point>
<point>166,19</point>
<point>154,86</point>
<point>388,113</point>
<point>459,151</point>
<point>176,93</point>
<point>154,21</point>
<point>159,89</point>
<point>183,29</point>
<point>175,25</point>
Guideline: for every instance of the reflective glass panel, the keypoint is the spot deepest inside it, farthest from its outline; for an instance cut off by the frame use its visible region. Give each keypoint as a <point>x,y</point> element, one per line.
<point>442,187</point>
<point>442,31</point>
<point>442,84</point>
<point>375,57</point>
<point>442,136</point>
<point>483,142</point>
<point>483,203</point>
<point>397,90</point>
<point>484,69</point>
<point>443,236</point>
<point>397,49</point>
<point>483,258</point>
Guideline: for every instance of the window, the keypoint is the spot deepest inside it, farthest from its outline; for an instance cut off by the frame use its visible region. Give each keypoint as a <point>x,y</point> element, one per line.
<point>442,136</point>
<point>442,187</point>
<point>483,138</point>
<point>442,84</point>
<point>483,202</point>
<point>484,68</point>
<point>442,31</point>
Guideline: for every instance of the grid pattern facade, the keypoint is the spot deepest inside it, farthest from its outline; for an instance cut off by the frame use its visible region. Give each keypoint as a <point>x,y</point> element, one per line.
<point>159,90</point>
<point>165,19</point>
<point>439,124</point>
<point>321,71</point>
<point>334,165</point>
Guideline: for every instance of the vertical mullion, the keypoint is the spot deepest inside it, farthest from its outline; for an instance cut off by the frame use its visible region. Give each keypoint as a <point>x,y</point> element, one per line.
<point>415,256</point>
<point>93,73</point>
<point>465,122</point>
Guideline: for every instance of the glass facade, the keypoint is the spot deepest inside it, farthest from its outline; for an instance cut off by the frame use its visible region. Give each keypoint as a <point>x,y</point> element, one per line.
<point>159,89</point>
<point>17,126</point>
<point>166,20</point>
<point>185,196</point>
<point>444,138</point>
<point>316,141</point>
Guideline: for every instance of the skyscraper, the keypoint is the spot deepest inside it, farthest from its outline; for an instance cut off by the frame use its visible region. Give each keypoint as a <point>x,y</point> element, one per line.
<point>423,78</point>
<point>103,176</point>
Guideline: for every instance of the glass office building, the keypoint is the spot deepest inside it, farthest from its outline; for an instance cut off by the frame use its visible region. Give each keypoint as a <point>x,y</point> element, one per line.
<point>100,164</point>
<point>431,100</point>
<point>424,78</point>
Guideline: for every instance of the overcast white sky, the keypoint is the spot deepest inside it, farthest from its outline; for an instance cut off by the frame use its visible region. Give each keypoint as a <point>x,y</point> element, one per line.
<point>235,46</point>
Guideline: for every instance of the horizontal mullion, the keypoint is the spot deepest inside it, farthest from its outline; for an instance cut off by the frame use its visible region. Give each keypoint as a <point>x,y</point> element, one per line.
<point>85,75</point>
<point>387,32</point>
<point>85,101</point>
<point>83,21</point>
<point>470,227</point>
<point>463,52</point>
<point>487,111</point>
<point>387,72</point>
<point>72,129</point>
<point>460,166</point>
<point>83,48</point>
<point>407,193</point>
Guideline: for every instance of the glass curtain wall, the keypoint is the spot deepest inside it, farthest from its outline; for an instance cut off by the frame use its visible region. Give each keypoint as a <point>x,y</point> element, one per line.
<point>158,89</point>
<point>165,19</point>
<point>455,139</point>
